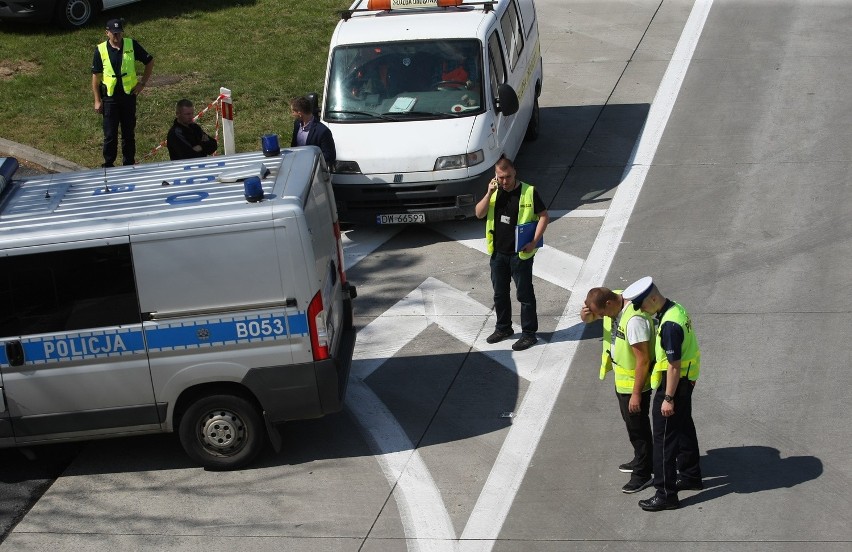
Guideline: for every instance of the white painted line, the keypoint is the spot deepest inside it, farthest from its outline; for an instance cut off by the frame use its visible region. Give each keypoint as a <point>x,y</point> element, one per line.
<point>576,213</point>
<point>501,487</point>
<point>403,322</point>
<point>425,519</point>
<point>550,264</point>
<point>553,265</point>
<point>471,322</point>
<point>361,241</point>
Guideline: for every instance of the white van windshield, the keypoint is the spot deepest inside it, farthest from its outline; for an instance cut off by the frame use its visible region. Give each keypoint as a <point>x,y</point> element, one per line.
<point>391,81</point>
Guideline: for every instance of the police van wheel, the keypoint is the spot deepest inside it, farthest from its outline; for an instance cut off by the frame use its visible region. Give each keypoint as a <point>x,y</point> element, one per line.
<point>222,432</point>
<point>532,128</point>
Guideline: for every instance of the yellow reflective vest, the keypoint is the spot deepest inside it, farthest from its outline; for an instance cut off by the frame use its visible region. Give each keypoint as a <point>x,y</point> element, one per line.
<point>526,213</point>
<point>622,360</point>
<point>128,68</point>
<point>690,354</point>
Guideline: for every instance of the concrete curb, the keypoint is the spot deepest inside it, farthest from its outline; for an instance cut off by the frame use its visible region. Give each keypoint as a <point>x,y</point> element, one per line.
<point>38,157</point>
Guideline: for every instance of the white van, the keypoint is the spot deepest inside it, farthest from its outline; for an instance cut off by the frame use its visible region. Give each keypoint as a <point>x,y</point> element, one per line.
<point>205,296</point>
<point>422,97</point>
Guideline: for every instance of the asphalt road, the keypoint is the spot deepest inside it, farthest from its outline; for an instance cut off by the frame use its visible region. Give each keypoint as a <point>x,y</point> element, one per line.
<point>741,213</point>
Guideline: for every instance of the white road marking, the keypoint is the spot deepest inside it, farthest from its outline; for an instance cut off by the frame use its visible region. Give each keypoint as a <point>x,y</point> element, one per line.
<point>360,242</point>
<point>423,512</point>
<point>550,264</point>
<point>484,525</point>
<point>421,507</point>
<point>577,213</point>
<point>424,516</point>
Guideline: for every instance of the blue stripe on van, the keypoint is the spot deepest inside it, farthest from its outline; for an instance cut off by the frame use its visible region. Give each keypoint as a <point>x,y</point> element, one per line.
<point>298,323</point>
<point>82,345</point>
<point>221,331</point>
<point>164,337</point>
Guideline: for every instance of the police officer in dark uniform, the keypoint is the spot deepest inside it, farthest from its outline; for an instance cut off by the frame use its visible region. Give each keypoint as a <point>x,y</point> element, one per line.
<point>678,362</point>
<point>115,86</point>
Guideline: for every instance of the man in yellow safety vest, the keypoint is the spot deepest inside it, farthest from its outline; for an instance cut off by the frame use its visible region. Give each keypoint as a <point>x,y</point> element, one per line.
<point>627,351</point>
<point>115,86</point>
<point>509,204</point>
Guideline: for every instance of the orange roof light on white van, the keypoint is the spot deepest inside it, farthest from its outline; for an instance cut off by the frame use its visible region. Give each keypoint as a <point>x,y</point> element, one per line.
<point>407,4</point>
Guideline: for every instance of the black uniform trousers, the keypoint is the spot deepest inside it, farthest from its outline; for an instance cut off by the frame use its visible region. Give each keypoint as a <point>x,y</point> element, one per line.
<point>675,441</point>
<point>639,432</point>
<point>120,110</point>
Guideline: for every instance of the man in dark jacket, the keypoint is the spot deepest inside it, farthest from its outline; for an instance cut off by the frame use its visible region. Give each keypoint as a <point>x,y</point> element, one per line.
<point>309,131</point>
<point>186,139</point>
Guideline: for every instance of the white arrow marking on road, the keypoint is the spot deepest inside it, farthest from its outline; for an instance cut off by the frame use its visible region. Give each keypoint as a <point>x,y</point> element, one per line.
<point>434,302</point>
<point>425,519</point>
<point>550,264</point>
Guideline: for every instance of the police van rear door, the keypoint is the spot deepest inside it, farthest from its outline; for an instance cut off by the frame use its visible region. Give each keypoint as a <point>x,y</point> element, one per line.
<point>330,335</point>
<point>325,235</point>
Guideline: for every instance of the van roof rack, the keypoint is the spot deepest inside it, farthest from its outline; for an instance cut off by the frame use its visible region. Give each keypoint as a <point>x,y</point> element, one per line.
<point>411,6</point>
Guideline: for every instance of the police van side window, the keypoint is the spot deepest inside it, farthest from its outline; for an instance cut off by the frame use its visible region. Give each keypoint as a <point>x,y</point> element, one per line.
<point>511,25</point>
<point>61,291</point>
<point>496,65</point>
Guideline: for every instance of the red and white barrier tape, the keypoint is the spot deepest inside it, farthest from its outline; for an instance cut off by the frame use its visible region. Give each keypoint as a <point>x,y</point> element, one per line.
<point>219,107</point>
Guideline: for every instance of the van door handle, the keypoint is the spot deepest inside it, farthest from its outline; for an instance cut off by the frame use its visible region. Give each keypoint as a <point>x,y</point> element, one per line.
<point>15,353</point>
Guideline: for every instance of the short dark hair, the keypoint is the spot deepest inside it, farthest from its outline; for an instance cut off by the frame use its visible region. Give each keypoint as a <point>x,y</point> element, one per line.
<point>183,103</point>
<point>301,104</point>
<point>504,163</point>
<point>599,296</point>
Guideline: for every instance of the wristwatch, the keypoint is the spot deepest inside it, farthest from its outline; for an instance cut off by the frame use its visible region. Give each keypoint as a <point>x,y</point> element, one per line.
<point>668,398</point>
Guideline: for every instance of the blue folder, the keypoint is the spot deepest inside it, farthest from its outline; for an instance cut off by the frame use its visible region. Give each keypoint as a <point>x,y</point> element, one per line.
<point>524,234</point>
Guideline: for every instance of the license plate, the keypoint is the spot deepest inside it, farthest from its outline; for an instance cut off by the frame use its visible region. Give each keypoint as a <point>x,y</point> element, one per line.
<point>403,218</point>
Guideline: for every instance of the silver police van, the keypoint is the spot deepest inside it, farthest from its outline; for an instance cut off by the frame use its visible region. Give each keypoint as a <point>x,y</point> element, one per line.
<point>206,297</point>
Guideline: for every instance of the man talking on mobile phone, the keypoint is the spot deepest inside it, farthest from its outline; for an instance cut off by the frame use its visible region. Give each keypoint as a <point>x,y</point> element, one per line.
<point>509,203</point>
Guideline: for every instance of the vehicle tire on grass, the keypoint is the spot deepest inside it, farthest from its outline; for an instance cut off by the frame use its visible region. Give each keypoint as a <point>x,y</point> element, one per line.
<point>222,432</point>
<point>532,127</point>
<point>72,14</point>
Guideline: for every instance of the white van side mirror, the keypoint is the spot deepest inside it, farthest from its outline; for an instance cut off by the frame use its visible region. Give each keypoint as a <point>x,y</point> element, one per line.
<point>507,100</point>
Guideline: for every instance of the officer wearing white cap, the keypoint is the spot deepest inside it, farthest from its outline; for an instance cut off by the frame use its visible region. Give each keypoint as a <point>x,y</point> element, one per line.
<point>678,358</point>
<point>115,86</point>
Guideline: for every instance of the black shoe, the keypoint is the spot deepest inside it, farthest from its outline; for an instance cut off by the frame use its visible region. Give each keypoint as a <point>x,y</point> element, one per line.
<point>499,335</point>
<point>656,504</point>
<point>525,342</point>
<point>689,485</point>
<point>628,467</point>
<point>636,484</point>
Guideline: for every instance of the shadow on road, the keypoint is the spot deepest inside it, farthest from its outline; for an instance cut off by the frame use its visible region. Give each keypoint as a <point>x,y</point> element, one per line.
<point>751,469</point>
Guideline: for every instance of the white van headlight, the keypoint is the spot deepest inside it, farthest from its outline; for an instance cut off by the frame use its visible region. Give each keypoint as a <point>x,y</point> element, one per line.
<point>459,161</point>
<point>346,167</point>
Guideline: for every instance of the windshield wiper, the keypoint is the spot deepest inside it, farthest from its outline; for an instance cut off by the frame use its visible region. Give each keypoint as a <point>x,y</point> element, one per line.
<point>364,113</point>
<point>435,114</point>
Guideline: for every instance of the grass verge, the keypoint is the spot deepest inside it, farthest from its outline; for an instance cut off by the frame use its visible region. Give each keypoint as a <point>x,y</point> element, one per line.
<point>265,51</point>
